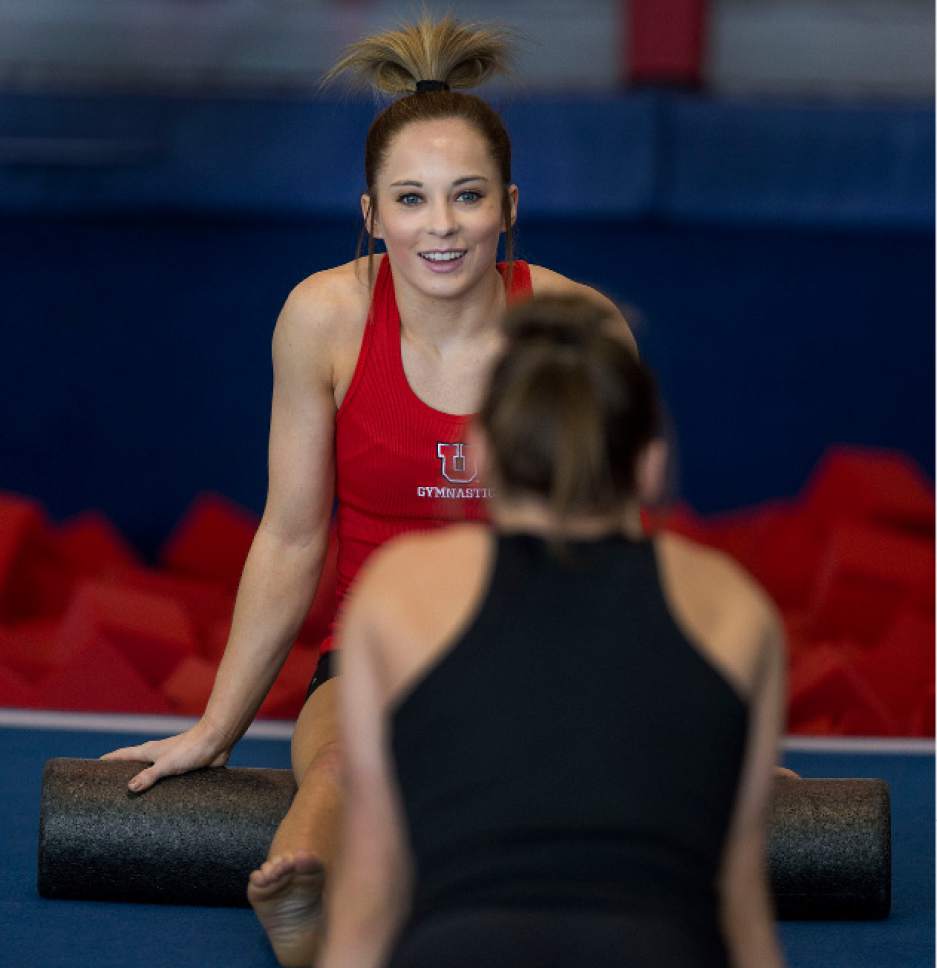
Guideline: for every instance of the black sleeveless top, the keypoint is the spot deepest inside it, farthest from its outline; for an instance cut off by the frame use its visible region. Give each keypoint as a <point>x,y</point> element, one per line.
<point>571,749</point>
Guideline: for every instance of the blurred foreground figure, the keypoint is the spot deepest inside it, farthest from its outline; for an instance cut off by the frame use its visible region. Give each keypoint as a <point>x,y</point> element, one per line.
<point>560,734</point>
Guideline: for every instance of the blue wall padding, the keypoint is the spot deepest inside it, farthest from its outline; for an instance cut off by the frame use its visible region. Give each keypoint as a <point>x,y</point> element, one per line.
<point>135,359</point>
<point>646,154</point>
<point>778,259</point>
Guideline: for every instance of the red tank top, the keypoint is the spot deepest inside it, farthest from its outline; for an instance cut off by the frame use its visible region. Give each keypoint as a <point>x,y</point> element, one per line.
<point>400,464</point>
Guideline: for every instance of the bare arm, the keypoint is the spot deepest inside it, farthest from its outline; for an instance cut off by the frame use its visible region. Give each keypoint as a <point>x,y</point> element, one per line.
<point>286,555</point>
<point>747,909</point>
<point>372,881</point>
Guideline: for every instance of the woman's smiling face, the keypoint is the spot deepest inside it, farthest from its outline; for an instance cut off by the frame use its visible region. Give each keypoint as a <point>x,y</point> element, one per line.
<point>439,206</point>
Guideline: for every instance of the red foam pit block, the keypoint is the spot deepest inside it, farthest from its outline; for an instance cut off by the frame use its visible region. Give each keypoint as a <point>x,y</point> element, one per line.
<point>285,700</point>
<point>34,580</point>
<point>921,722</point>
<point>206,602</point>
<point>20,519</point>
<point>15,691</point>
<point>216,640</point>
<point>900,668</point>
<point>30,648</point>
<point>97,676</point>
<point>211,541</point>
<point>864,484</point>
<point>153,632</point>
<point>189,686</point>
<point>680,519</point>
<point>777,544</point>
<point>93,547</point>
<point>824,686</point>
<point>865,575</point>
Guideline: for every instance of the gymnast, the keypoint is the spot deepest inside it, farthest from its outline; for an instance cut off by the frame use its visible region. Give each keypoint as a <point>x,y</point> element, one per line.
<point>376,365</point>
<point>559,751</point>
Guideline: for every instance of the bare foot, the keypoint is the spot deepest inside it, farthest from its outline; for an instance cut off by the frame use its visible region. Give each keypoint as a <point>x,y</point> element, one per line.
<point>286,895</point>
<point>783,771</point>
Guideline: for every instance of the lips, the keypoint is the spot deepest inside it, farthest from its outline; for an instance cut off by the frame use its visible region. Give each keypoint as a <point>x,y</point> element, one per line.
<point>443,260</point>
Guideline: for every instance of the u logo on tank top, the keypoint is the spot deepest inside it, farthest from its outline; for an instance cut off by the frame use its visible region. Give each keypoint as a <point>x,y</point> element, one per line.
<point>458,466</point>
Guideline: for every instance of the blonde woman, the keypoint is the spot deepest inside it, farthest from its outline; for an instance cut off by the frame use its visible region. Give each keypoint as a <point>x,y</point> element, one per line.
<point>378,363</point>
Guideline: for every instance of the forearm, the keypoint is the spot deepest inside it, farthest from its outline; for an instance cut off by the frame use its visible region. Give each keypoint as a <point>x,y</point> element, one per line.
<point>749,926</point>
<point>275,591</point>
<point>366,906</point>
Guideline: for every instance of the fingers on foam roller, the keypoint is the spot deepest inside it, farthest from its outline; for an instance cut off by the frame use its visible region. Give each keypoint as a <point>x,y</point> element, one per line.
<point>211,541</point>
<point>191,839</point>
<point>865,576</point>
<point>870,485</point>
<point>829,849</point>
<point>153,632</point>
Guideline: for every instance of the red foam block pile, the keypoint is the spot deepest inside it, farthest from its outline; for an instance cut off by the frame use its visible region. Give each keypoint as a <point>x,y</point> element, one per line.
<point>85,625</point>
<point>850,565</point>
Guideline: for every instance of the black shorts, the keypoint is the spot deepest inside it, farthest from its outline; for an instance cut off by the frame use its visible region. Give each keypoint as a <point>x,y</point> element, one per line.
<point>325,670</point>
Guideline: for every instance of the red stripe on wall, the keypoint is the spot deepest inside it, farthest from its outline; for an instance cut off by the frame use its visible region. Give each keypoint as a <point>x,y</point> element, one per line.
<point>665,41</point>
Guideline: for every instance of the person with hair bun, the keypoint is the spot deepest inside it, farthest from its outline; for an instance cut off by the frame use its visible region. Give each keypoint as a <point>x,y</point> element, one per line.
<point>378,363</point>
<point>559,752</point>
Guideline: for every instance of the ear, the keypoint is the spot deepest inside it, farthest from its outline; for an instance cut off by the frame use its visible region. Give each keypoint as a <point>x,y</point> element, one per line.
<point>373,228</point>
<point>512,196</point>
<point>651,472</point>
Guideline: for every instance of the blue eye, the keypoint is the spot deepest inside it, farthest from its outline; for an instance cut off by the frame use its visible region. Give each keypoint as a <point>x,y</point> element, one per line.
<point>409,199</point>
<point>470,195</point>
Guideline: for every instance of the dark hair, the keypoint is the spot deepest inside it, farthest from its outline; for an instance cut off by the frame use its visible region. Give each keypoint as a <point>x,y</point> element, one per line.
<point>569,407</point>
<point>459,56</point>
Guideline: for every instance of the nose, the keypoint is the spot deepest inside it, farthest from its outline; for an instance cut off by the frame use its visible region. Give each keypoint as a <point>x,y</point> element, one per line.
<point>442,219</point>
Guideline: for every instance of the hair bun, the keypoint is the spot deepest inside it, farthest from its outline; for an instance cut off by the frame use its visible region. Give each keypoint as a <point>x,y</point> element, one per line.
<point>460,55</point>
<point>560,321</point>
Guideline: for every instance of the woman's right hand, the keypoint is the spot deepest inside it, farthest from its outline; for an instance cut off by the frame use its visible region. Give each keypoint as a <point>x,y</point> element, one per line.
<point>187,751</point>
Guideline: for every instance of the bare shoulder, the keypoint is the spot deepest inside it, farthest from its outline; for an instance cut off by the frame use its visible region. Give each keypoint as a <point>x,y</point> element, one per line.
<point>327,304</point>
<point>413,596</point>
<point>547,282</point>
<point>414,565</point>
<point>720,607</point>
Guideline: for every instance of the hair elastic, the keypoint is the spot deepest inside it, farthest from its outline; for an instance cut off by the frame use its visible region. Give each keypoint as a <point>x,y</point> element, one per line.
<point>423,86</point>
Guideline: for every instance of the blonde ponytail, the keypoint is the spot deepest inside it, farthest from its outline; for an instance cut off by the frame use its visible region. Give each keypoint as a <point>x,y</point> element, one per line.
<point>460,55</point>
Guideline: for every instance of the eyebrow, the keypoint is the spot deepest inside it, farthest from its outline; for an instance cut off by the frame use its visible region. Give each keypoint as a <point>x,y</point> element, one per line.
<point>411,183</point>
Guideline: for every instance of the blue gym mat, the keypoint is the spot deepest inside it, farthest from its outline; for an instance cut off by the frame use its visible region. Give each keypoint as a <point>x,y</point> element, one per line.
<point>38,933</point>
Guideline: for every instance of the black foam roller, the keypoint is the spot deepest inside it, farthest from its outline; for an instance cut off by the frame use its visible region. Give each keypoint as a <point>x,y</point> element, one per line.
<point>192,839</point>
<point>195,839</point>
<point>829,849</point>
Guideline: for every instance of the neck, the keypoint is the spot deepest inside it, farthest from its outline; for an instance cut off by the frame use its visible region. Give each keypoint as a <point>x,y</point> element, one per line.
<point>535,516</point>
<point>439,321</point>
